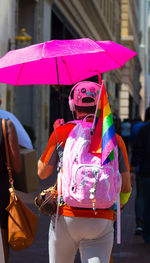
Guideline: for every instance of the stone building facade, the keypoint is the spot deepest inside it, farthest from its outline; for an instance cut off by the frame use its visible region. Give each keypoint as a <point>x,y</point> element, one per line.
<point>130,85</point>
<point>144,52</point>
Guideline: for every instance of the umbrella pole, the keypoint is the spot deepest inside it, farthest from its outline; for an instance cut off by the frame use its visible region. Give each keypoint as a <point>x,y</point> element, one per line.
<point>64,61</point>
<point>99,78</point>
<point>57,71</point>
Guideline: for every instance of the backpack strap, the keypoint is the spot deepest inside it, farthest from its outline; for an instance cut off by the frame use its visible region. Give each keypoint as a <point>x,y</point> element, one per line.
<point>74,122</point>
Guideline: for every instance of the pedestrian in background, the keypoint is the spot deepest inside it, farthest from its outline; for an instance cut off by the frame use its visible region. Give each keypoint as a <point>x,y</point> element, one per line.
<point>126,131</point>
<point>117,123</point>
<point>15,158</point>
<point>141,157</point>
<point>139,197</point>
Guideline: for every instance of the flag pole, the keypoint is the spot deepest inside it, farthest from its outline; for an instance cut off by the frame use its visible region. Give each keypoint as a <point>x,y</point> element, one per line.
<point>101,84</point>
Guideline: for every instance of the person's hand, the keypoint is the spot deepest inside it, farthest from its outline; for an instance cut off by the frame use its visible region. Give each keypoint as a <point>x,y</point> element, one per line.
<point>58,123</point>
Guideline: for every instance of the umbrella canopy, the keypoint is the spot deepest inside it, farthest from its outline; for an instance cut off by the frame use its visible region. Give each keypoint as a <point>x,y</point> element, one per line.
<point>23,137</point>
<point>62,62</point>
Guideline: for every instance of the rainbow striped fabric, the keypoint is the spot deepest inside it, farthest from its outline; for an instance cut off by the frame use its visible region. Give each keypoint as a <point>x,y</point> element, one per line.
<point>104,138</point>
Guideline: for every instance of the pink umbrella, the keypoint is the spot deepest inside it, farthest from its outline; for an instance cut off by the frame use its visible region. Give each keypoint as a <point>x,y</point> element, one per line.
<point>62,62</point>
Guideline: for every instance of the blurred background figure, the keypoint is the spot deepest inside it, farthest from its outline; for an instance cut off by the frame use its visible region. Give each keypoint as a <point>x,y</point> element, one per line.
<point>126,131</point>
<point>139,197</point>
<point>140,158</point>
<point>117,123</point>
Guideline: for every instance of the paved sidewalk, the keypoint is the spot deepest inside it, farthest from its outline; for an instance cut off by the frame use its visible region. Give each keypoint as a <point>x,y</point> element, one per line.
<point>131,249</point>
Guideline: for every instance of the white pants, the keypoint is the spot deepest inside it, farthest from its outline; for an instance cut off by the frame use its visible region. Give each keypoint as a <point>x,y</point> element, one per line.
<point>93,237</point>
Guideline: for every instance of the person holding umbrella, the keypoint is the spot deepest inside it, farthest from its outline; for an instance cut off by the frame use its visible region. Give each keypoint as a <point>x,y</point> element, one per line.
<point>77,227</point>
<point>16,166</point>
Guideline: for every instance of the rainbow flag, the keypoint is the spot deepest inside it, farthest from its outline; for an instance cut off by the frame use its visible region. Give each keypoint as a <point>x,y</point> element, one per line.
<point>104,138</point>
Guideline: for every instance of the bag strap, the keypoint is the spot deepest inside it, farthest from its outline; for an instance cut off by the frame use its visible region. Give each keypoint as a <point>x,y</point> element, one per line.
<point>7,154</point>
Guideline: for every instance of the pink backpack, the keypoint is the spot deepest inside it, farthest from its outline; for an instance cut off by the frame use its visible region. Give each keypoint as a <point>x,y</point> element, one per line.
<point>84,182</point>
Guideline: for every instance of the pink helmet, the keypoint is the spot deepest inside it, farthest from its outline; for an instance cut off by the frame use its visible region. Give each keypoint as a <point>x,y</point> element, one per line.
<point>82,91</point>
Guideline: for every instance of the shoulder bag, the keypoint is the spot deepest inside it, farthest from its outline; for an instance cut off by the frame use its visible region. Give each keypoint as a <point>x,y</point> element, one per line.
<point>22,222</point>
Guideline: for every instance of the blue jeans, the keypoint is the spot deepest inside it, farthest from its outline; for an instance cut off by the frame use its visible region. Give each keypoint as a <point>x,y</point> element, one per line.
<point>145,186</point>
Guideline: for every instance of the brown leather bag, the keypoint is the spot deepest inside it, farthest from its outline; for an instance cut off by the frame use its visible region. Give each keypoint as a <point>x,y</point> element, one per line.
<point>22,222</point>
<point>46,201</point>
